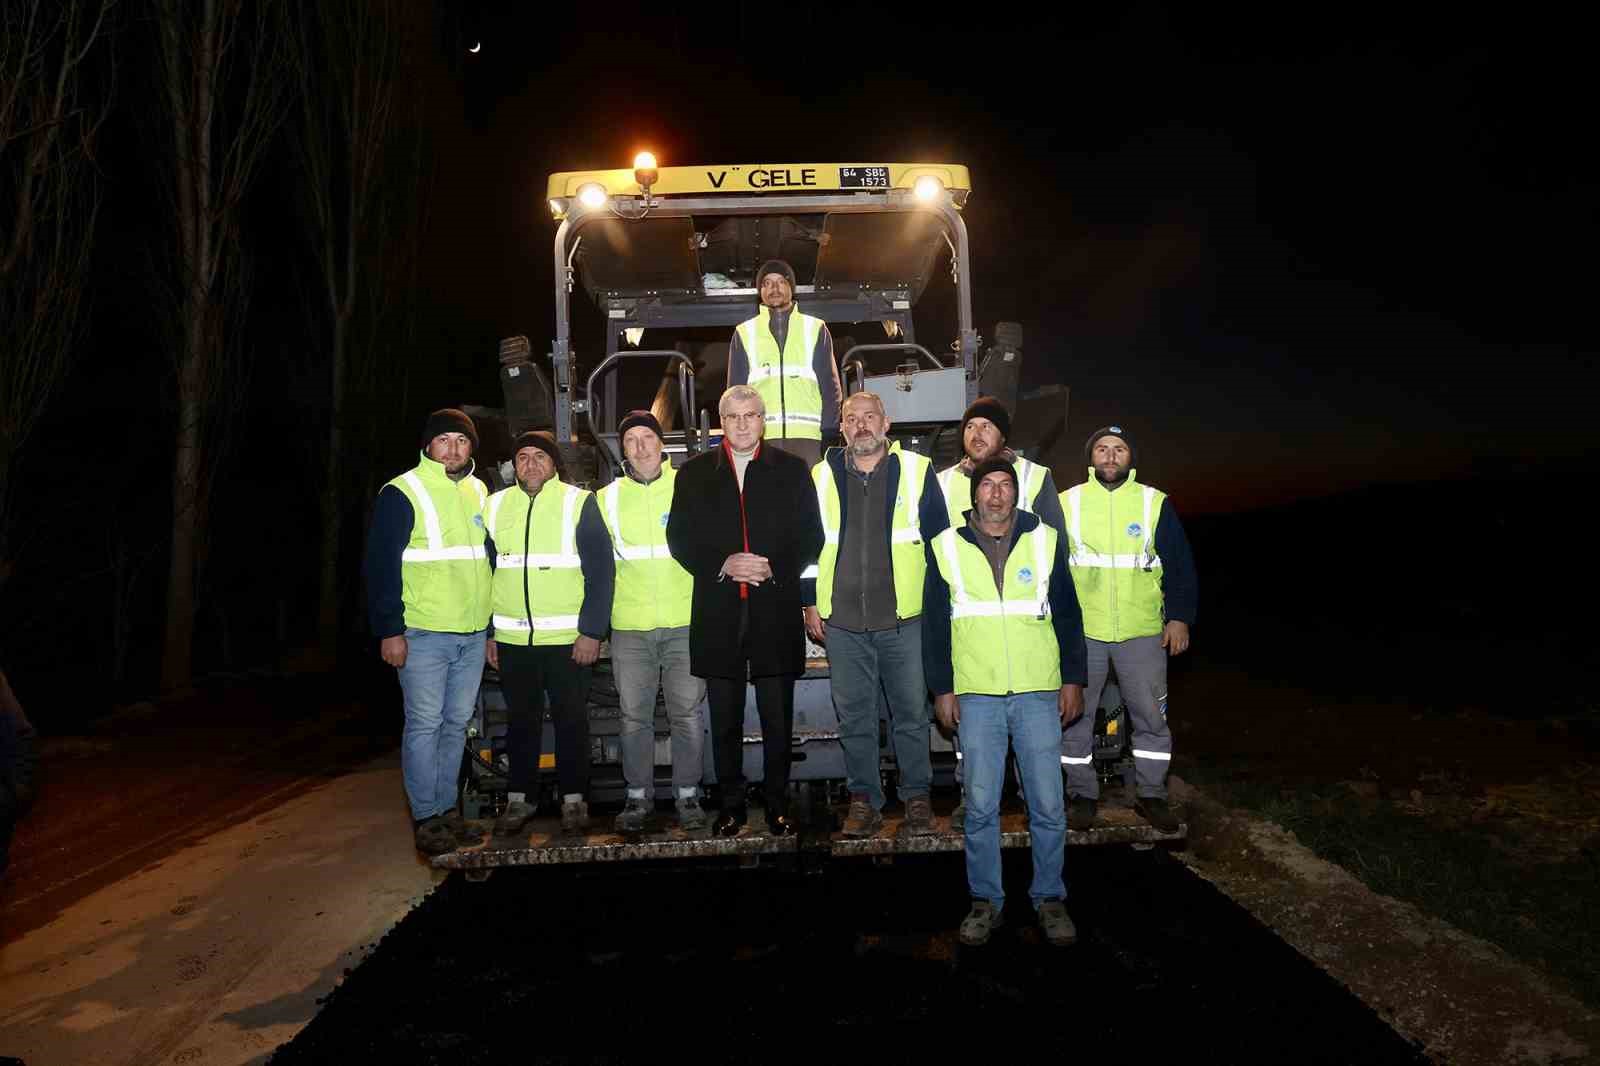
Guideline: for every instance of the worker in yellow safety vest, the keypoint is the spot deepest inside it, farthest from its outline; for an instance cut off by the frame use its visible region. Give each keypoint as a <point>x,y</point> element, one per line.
<point>428,582</point>
<point>985,428</point>
<point>1004,656</point>
<point>650,630</point>
<point>879,503</point>
<point>787,357</point>
<point>1135,577</point>
<point>553,579</point>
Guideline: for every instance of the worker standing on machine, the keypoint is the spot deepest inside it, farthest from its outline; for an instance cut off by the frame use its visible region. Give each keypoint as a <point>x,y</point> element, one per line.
<point>650,629</point>
<point>985,427</point>
<point>787,357</point>
<point>879,503</point>
<point>553,581</point>
<point>1004,654</point>
<point>1136,579</point>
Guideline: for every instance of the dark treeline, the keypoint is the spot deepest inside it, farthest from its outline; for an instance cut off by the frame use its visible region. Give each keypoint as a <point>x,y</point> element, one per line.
<point>87,570</point>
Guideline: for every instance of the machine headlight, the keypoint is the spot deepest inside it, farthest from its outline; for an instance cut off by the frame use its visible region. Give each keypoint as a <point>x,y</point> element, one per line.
<point>927,189</point>
<point>592,195</point>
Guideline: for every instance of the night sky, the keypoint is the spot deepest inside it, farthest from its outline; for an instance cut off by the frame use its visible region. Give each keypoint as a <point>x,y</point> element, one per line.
<point>1294,253</point>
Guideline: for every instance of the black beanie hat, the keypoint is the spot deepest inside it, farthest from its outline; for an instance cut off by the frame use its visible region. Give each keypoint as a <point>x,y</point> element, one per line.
<point>639,418</point>
<point>990,408</point>
<point>545,441</point>
<point>775,266</point>
<point>449,420</point>
<point>1109,431</point>
<point>990,466</point>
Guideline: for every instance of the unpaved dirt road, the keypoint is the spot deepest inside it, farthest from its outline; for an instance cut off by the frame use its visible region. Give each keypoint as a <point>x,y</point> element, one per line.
<point>216,953</point>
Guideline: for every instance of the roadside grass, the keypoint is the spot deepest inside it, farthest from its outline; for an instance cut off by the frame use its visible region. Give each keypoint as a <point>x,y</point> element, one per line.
<point>1479,877</point>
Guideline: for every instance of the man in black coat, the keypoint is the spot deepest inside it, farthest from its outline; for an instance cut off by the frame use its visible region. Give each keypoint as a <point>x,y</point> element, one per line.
<point>745,523</point>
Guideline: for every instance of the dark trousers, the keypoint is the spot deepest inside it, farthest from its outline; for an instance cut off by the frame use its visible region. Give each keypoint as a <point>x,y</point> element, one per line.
<point>529,676</point>
<point>775,704</point>
<point>809,450</point>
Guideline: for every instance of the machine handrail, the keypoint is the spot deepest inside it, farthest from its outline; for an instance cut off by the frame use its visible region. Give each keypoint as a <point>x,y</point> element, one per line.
<point>852,360</point>
<point>685,395</point>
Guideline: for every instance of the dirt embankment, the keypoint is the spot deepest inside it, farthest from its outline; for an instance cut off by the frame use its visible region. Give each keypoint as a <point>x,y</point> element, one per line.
<point>1465,1001</point>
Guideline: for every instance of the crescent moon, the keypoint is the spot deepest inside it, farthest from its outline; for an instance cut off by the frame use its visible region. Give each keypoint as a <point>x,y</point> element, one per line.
<point>475,49</point>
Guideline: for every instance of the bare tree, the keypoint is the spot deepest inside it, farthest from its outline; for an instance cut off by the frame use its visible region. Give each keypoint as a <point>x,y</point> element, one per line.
<point>223,100</point>
<point>358,156</point>
<point>50,111</point>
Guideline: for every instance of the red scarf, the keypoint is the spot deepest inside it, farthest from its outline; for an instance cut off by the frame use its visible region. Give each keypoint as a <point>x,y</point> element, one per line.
<point>744,523</point>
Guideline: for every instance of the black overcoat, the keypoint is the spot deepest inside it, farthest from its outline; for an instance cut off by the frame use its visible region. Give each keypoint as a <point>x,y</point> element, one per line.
<point>780,505</point>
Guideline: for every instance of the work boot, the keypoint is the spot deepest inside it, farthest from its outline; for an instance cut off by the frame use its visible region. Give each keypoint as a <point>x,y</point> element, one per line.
<point>919,818</point>
<point>781,825</point>
<point>958,817</point>
<point>730,820</point>
<point>983,920</point>
<point>862,821</point>
<point>516,815</point>
<point>634,815</point>
<point>1154,809</point>
<point>433,837</point>
<point>466,835</point>
<point>691,816</point>
<point>1080,812</point>
<point>1058,928</point>
<point>574,817</point>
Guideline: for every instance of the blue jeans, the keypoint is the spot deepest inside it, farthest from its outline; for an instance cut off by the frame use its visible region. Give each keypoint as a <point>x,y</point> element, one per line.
<point>643,661</point>
<point>1032,721</point>
<point>860,666</point>
<point>440,681</point>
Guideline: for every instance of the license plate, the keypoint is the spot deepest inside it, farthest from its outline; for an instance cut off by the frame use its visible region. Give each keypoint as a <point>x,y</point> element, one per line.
<point>863,177</point>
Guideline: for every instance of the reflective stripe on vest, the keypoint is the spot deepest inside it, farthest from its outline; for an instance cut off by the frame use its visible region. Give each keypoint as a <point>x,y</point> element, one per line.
<point>1119,591</point>
<point>652,590</point>
<point>1001,642</point>
<point>509,623</point>
<point>1030,479</point>
<point>785,379</point>
<point>548,578</point>
<point>444,571</point>
<point>906,559</point>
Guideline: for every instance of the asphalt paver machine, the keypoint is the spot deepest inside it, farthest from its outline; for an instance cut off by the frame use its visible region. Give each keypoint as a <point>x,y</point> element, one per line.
<point>667,257</point>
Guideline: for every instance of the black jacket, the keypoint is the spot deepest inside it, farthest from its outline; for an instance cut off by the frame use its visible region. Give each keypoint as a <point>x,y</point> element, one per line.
<point>780,506</point>
<point>1065,616</point>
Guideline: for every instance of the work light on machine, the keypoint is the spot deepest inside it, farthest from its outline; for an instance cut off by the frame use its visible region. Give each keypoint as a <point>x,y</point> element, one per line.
<point>592,195</point>
<point>927,189</point>
<point>644,170</point>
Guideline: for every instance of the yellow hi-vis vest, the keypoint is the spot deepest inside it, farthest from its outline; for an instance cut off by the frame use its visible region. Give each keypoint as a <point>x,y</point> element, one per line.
<point>1112,556</point>
<point>906,557</point>
<point>786,381</point>
<point>1001,640</point>
<point>538,577</point>
<point>444,570</point>
<point>652,591</point>
<point>957,486</point>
